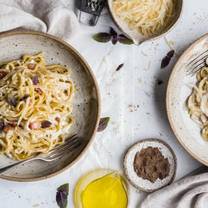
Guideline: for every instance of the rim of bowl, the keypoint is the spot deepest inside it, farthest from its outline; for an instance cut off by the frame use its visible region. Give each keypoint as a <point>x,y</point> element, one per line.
<point>86,66</point>
<point>166,31</point>
<point>149,140</point>
<point>168,101</point>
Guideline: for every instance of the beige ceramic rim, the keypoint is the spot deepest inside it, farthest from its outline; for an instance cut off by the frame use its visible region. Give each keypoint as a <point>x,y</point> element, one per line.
<point>88,69</point>
<point>168,29</point>
<point>149,140</point>
<point>168,101</point>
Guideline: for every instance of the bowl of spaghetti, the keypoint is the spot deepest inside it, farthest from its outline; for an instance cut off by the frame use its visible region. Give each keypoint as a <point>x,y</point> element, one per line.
<point>47,94</point>
<point>142,20</point>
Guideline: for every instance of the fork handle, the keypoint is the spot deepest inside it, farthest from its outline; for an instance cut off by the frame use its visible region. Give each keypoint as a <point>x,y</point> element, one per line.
<point>4,169</point>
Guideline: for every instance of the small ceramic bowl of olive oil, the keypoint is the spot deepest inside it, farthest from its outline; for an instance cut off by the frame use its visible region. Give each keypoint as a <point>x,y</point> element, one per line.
<point>101,188</point>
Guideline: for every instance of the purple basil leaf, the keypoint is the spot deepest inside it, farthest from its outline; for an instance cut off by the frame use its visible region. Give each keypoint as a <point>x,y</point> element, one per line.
<point>1,126</point>
<point>119,67</point>
<point>24,97</point>
<point>114,36</point>
<point>114,39</point>
<point>170,53</point>
<point>103,124</point>
<point>62,195</point>
<point>102,37</point>
<point>166,60</point>
<point>113,32</point>
<point>125,40</point>
<point>3,74</point>
<point>12,101</point>
<point>35,80</point>
<point>45,124</point>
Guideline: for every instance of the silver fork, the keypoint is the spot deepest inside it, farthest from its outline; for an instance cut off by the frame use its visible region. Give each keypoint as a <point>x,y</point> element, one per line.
<point>55,154</point>
<point>197,63</point>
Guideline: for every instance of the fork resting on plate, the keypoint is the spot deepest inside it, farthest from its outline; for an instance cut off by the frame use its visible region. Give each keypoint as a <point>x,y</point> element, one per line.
<point>53,155</point>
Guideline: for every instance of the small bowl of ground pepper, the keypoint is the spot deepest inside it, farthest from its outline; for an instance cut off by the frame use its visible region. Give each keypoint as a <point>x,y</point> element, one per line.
<point>150,165</point>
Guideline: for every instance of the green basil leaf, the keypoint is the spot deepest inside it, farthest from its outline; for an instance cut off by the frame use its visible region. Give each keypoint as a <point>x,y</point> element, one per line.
<point>125,40</point>
<point>102,37</point>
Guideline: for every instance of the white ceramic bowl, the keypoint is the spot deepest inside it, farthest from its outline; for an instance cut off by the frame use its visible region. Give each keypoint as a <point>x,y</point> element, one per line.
<point>86,101</point>
<point>137,37</point>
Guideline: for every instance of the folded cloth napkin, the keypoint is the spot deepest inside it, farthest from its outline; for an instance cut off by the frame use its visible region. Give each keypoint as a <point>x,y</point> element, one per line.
<point>190,192</point>
<point>51,16</point>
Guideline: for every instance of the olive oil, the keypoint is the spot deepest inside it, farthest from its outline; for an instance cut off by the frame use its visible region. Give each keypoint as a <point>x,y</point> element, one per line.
<point>107,191</point>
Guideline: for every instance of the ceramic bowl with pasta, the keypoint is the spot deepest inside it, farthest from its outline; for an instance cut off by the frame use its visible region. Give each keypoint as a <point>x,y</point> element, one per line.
<point>187,100</point>
<point>145,19</point>
<point>47,94</point>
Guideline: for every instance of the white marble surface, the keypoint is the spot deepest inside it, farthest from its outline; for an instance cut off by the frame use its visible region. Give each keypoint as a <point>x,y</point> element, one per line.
<point>133,100</point>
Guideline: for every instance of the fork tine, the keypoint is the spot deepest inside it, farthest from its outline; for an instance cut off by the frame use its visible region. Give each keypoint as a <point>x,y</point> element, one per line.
<point>200,61</point>
<point>59,152</point>
<point>66,146</point>
<point>67,141</point>
<point>197,57</point>
<point>195,69</point>
<point>54,158</point>
<point>197,63</point>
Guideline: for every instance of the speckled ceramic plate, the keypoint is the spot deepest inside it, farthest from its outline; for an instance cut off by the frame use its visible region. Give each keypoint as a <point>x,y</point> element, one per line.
<point>143,184</point>
<point>86,101</point>
<point>179,88</point>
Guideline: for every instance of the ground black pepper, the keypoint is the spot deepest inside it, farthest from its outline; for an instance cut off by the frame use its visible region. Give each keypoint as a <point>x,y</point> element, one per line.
<point>150,164</point>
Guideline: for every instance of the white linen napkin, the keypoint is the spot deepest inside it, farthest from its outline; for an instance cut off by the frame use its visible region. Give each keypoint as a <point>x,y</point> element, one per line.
<point>51,16</point>
<point>190,192</point>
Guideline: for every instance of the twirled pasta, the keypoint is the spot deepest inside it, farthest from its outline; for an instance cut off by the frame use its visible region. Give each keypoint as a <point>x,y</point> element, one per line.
<point>197,102</point>
<point>148,17</point>
<point>35,106</point>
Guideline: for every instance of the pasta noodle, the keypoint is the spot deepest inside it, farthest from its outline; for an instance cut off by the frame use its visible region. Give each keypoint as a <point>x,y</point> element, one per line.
<point>197,102</point>
<point>35,106</point>
<point>148,17</point>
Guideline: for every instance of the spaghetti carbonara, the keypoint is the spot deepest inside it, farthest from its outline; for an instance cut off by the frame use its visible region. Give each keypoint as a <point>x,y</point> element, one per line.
<point>148,17</point>
<point>197,102</point>
<point>35,106</point>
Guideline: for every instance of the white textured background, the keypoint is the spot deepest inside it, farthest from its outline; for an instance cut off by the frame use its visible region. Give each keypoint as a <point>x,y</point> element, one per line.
<point>131,97</point>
